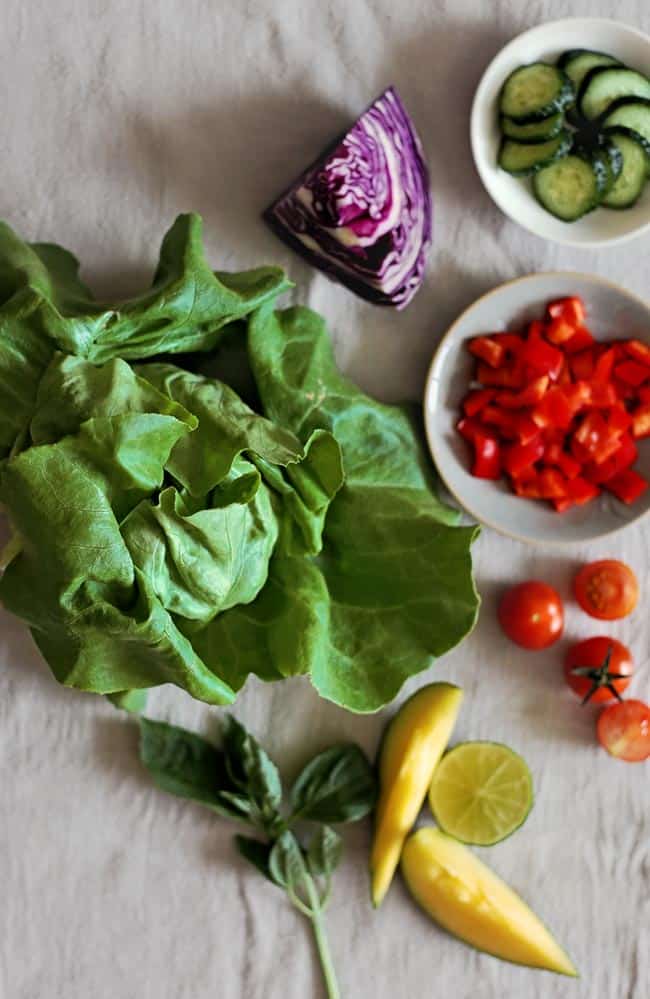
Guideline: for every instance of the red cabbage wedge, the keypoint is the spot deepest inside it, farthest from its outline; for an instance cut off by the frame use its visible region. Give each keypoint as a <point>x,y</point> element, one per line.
<point>362,212</point>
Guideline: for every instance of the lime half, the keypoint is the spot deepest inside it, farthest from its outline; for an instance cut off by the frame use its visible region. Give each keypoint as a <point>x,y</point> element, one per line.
<point>481,792</point>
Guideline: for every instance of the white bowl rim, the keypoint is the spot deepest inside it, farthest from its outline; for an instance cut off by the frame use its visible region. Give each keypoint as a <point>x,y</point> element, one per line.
<point>431,380</point>
<point>475,125</point>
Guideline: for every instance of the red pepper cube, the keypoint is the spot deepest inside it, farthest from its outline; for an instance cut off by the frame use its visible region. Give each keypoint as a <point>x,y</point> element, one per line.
<point>638,350</point>
<point>536,330</point>
<point>517,457</point>
<point>468,428</point>
<point>570,309</point>
<point>511,342</point>
<point>603,395</point>
<point>644,393</point>
<point>487,350</point>
<point>594,435</point>
<point>502,418</point>
<point>582,364</point>
<point>618,419</point>
<point>578,395</point>
<point>526,429</point>
<point>487,457</point>
<point>580,341</point>
<point>553,453</point>
<point>632,372</point>
<point>623,458</point>
<point>582,491</point>
<point>627,486</point>
<point>541,358</point>
<point>528,396</point>
<point>559,331</point>
<point>554,410</point>
<point>570,467</point>
<point>552,484</point>
<point>505,377</point>
<point>476,400</point>
<point>562,505</point>
<point>641,421</point>
<point>527,488</point>
<point>605,365</point>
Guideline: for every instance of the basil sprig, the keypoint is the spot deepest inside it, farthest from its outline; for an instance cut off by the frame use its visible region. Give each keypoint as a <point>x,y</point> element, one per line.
<point>239,781</point>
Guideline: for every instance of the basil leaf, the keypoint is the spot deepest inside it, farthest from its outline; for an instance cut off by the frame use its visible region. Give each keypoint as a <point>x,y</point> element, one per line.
<point>287,864</point>
<point>338,785</point>
<point>256,853</point>
<point>324,852</point>
<point>188,766</point>
<point>254,773</point>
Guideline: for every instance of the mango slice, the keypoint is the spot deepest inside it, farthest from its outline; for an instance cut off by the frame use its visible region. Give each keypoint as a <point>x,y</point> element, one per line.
<point>414,742</point>
<point>470,901</point>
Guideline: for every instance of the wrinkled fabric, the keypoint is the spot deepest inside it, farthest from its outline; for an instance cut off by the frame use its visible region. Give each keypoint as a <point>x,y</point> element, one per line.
<point>116,116</point>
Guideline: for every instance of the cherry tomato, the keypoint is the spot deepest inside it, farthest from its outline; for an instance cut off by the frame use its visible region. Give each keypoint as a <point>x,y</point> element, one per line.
<point>624,731</point>
<point>598,669</point>
<point>607,589</point>
<point>531,614</point>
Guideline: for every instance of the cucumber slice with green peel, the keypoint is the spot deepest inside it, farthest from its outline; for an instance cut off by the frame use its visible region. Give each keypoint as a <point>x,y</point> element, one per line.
<point>570,188</point>
<point>631,113</point>
<point>604,85</point>
<point>610,132</point>
<point>536,131</point>
<point>524,158</point>
<point>606,160</point>
<point>534,92</point>
<point>629,184</point>
<point>576,63</point>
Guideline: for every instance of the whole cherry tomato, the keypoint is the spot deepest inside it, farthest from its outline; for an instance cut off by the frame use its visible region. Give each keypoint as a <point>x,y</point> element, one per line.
<point>624,731</point>
<point>607,589</point>
<point>598,669</point>
<point>531,614</point>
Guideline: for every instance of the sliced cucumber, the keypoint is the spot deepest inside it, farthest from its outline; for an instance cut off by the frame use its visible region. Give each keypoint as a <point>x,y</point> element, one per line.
<point>569,188</point>
<point>608,160</point>
<point>627,188</point>
<point>524,158</point>
<point>536,131</point>
<point>576,63</point>
<point>603,85</point>
<point>629,112</point>
<point>610,132</point>
<point>534,92</point>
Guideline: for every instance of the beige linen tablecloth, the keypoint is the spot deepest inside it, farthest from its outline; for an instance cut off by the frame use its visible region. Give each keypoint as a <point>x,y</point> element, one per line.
<point>116,115</point>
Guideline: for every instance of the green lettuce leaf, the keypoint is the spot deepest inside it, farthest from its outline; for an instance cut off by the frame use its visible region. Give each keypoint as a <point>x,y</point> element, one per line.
<point>393,587</point>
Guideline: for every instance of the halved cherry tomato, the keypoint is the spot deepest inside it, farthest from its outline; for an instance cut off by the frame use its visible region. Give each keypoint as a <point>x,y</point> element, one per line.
<point>598,669</point>
<point>531,614</point>
<point>607,589</point>
<point>624,731</point>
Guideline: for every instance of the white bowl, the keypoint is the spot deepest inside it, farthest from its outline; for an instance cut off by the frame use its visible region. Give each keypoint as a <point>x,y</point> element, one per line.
<point>612,313</point>
<point>602,227</point>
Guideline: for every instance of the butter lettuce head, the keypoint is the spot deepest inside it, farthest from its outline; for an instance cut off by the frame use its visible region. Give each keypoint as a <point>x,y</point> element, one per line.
<point>166,532</point>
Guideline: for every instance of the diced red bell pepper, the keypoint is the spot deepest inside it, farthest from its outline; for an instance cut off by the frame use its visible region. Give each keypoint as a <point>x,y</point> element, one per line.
<point>638,350</point>
<point>562,505</point>
<point>603,394</point>
<point>527,488</point>
<point>552,453</point>
<point>569,466</point>
<point>644,393</point>
<point>554,410</point>
<point>564,377</point>
<point>505,377</point>
<point>605,365</point>
<point>528,396</point>
<point>511,342</point>
<point>596,437</point>
<point>581,491</point>
<point>559,330</point>
<point>487,457</point>
<point>536,330</point>
<point>487,350</point>
<point>541,358</point>
<point>641,421</point>
<point>582,364</point>
<point>468,428</point>
<point>627,486</point>
<point>552,484</point>
<point>618,419</point>
<point>581,339</point>
<point>579,451</point>
<point>517,457</point>
<point>632,372</point>
<point>624,391</point>
<point>578,395</point>
<point>527,430</point>
<point>504,419</point>
<point>622,458</point>
<point>570,309</point>
<point>476,400</point>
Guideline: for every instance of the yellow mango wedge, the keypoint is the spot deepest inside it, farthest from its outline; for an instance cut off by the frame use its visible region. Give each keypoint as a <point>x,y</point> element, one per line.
<point>470,901</point>
<point>414,742</point>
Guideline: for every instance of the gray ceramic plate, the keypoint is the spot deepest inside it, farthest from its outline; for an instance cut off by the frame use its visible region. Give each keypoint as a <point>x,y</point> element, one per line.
<point>613,313</point>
